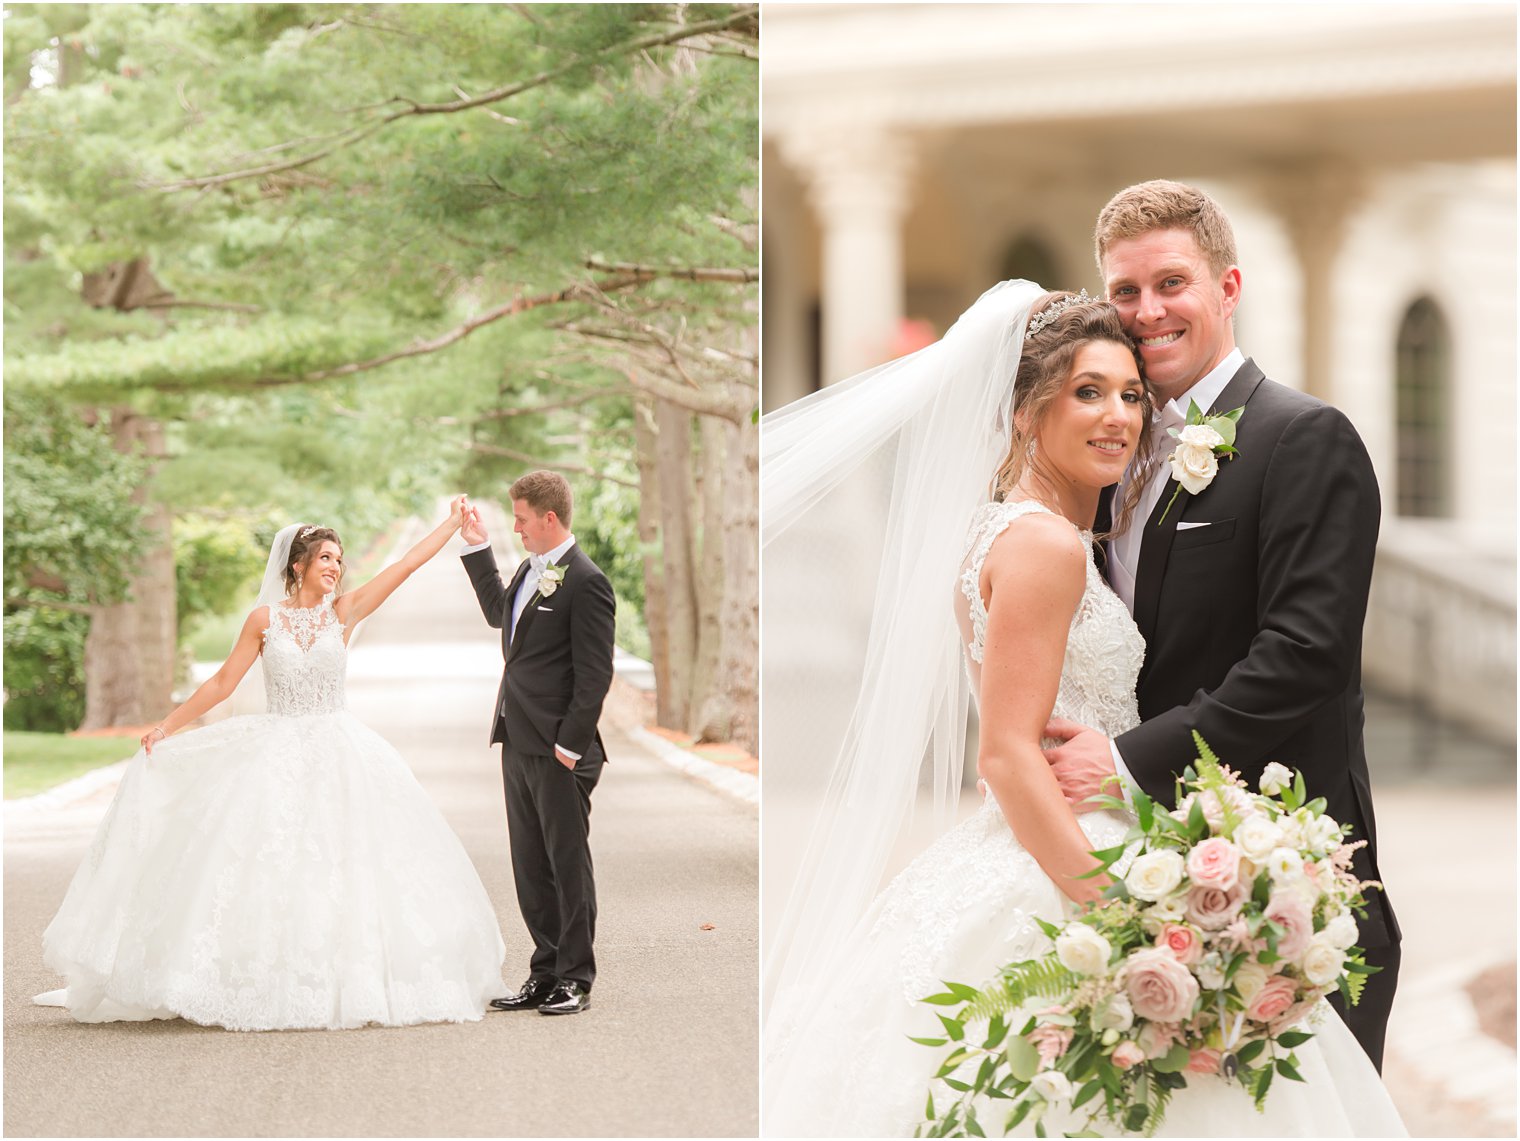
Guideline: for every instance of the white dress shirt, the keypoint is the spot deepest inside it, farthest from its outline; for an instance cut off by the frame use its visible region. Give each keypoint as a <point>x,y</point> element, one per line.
<point>527,590</point>
<point>1124,550</point>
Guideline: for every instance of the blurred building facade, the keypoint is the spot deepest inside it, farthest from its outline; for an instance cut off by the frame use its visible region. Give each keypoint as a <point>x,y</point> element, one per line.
<point>915,154</point>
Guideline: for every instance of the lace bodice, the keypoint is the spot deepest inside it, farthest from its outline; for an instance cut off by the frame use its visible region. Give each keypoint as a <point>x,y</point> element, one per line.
<point>1104,649</point>
<point>305,659</point>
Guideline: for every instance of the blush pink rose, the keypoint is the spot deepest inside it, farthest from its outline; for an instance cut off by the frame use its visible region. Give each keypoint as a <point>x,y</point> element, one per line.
<point>1273,1000</point>
<point>1160,988</point>
<point>1127,1054</point>
<point>1203,1061</point>
<point>1289,911</point>
<point>1182,942</point>
<point>1212,908</point>
<point>1214,862</point>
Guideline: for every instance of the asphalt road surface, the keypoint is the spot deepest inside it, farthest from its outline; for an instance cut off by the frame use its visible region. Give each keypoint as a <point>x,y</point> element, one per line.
<point>668,1048</point>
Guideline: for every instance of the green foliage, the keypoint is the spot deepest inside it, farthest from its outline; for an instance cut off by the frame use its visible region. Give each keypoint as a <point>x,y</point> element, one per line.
<point>44,669</point>
<point>214,558</point>
<point>69,517</point>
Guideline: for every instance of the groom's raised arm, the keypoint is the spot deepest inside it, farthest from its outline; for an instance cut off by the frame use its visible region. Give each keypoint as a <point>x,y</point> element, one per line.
<point>489,589</point>
<point>1318,536</point>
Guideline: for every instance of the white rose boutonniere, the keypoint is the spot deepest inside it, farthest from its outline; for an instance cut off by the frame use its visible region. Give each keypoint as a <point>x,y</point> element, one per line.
<point>549,580</point>
<point>1202,441</point>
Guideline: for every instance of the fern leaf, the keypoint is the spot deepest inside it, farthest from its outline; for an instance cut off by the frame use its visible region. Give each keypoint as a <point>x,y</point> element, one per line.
<point>1035,978</point>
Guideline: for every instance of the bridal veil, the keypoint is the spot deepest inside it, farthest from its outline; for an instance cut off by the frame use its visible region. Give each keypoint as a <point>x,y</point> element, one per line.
<point>867,489</point>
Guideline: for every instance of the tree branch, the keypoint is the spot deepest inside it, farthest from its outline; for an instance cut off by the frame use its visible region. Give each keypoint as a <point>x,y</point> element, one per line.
<point>458,333</point>
<point>571,402</point>
<point>172,303</point>
<point>539,461</point>
<point>348,139</point>
<point>742,274</point>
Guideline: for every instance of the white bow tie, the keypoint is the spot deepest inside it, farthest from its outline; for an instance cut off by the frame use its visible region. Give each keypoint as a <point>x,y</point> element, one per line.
<point>537,563</point>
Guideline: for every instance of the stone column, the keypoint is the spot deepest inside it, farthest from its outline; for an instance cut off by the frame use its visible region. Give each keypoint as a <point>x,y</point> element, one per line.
<point>1316,202</point>
<point>858,186</point>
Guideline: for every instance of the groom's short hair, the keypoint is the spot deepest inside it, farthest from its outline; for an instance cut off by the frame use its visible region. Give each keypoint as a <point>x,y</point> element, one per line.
<point>544,491</point>
<point>1162,205</point>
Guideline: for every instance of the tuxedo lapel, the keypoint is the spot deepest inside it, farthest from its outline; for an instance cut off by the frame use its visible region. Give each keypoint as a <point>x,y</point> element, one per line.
<point>1103,521</point>
<point>1156,543</point>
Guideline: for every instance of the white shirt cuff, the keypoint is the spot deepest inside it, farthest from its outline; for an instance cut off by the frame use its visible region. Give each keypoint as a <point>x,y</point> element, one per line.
<point>1126,782</point>
<point>568,753</point>
<point>473,547</point>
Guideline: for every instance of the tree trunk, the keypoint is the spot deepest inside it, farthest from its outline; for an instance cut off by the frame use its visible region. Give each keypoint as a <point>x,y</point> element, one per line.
<point>741,593</point>
<point>710,702</point>
<point>129,653</point>
<point>656,608</point>
<point>673,463</point>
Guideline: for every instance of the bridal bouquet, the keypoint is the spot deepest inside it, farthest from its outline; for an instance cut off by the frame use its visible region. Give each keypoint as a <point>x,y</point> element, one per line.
<point>1227,919</point>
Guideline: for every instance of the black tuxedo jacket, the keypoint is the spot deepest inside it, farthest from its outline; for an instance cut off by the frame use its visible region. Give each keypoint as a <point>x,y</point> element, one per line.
<point>559,665</point>
<point>1253,621</point>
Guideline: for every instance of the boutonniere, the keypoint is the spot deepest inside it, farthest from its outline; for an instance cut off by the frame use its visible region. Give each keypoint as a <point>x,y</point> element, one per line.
<point>549,579</point>
<point>1202,441</point>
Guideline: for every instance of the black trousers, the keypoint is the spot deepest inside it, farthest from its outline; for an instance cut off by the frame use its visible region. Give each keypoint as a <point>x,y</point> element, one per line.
<point>549,825</point>
<point>1368,1019</point>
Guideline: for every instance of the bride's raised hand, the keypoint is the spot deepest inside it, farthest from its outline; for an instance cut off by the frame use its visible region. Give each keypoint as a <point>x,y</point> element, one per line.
<point>459,510</point>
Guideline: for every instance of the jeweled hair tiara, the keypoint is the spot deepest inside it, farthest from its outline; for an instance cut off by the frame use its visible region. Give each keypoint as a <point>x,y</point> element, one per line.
<point>1048,314</point>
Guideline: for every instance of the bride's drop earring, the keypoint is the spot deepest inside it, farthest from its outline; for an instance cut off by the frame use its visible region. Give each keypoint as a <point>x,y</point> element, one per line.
<point>1029,451</point>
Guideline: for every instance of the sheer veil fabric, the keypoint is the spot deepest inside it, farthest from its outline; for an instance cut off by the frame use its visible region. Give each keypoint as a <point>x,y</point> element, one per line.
<point>867,490</point>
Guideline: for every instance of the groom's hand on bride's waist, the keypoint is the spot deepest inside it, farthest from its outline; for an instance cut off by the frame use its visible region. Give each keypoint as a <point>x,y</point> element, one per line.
<point>1083,762</point>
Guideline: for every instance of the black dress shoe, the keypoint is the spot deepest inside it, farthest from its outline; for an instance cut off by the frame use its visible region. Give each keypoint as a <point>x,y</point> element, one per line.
<point>567,998</point>
<point>530,997</point>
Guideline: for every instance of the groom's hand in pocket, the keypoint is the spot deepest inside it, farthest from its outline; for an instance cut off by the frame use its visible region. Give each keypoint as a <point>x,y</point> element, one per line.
<point>568,762</point>
<point>1082,762</point>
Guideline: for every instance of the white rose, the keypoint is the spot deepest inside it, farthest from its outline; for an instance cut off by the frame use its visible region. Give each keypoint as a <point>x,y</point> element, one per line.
<point>1341,931</point>
<point>1322,960</point>
<point>1210,971</point>
<point>1113,1014</point>
<point>1322,833</point>
<point>1052,1085</point>
<point>1168,909</point>
<point>1193,461</point>
<point>1154,874</point>
<point>1250,977</point>
<point>1083,950</point>
<point>1275,778</point>
<point>1292,829</point>
<point>1285,865</point>
<point>1256,837</point>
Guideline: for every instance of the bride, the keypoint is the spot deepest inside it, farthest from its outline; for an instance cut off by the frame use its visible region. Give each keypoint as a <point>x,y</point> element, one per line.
<point>1042,420</point>
<point>281,870</point>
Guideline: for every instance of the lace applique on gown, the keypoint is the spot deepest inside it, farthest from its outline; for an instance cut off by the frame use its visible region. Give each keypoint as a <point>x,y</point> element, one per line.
<point>966,905</point>
<point>277,870</point>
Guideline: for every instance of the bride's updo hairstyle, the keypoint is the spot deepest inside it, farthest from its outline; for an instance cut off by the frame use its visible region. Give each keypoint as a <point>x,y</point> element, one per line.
<point>1044,368</point>
<point>303,547</point>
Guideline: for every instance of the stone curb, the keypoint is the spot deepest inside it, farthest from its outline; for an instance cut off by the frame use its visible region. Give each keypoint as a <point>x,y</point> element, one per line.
<point>741,786</point>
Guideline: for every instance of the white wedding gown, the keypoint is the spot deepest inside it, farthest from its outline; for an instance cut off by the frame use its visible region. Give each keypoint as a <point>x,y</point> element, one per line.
<point>277,871</point>
<point>965,906</point>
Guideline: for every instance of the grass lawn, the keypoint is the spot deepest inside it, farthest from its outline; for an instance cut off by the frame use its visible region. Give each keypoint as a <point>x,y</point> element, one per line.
<point>35,762</point>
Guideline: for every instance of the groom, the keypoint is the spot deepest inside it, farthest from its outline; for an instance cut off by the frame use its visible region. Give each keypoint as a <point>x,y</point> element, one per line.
<point>1250,594</point>
<point>556,622</point>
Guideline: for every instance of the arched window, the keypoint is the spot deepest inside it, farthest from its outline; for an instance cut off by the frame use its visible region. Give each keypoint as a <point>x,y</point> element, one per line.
<point>1031,259</point>
<point>1424,397</point>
